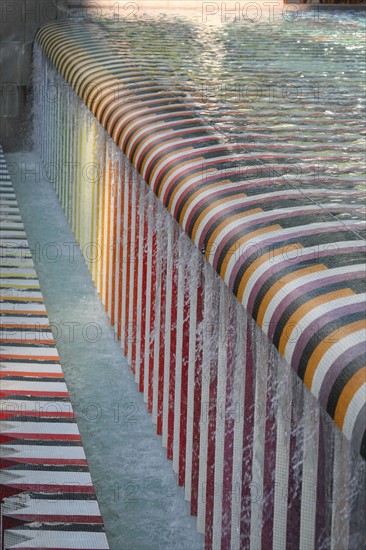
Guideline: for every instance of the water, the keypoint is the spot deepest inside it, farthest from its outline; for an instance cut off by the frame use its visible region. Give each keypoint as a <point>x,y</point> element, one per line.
<point>289,92</point>
<point>142,506</point>
<point>262,465</point>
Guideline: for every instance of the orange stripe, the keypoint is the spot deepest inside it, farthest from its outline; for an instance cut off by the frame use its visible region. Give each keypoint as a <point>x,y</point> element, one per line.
<point>223,224</point>
<point>267,256</point>
<point>281,283</point>
<point>36,357</point>
<point>200,192</point>
<point>347,394</point>
<point>236,247</point>
<point>324,345</point>
<point>220,201</point>
<point>304,309</point>
<point>171,157</point>
<point>141,145</point>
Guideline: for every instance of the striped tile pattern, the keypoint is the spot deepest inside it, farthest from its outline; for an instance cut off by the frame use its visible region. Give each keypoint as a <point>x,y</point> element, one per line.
<point>293,257</point>
<point>261,462</point>
<point>48,498</point>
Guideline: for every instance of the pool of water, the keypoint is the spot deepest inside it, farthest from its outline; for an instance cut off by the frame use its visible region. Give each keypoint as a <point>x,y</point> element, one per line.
<point>289,91</point>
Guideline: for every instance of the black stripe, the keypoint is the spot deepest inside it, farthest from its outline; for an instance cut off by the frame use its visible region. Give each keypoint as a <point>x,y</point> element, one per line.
<point>341,381</point>
<point>321,336</point>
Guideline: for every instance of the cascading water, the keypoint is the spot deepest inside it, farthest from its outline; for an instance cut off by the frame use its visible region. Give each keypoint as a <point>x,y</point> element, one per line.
<point>262,464</point>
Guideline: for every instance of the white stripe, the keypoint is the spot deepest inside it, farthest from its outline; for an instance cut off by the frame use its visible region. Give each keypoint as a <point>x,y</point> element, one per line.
<point>340,344</point>
<point>168,315</point>
<point>146,357</point>
<point>20,385</point>
<point>157,313</point>
<point>30,367</point>
<point>163,147</point>
<point>238,404</point>
<point>133,266</point>
<point>124,290</point>
<point>298,282</point>
<point>298,254</point>
<point>20,306</point>
<point>72,540</point>
<point>260,402</point>
<point>210,288</point>
<point>181,264</point>
<point>30,352</point>
<point>50,507</point>
<point>155,137</point>
<point>24,335</point>
<point>311,228</point>
<point>28,283</point>
<point>325,308</point>
<point>282,456</point>
<point>309,471</point>
<point>26,452</point>
<point>195,267</point>
<point>38,407</point>
<point>256,201</point>
<point>143,206</point>
<point>22,322</point>
<point>193,164</point>
<point>340,504</point>
<point>223,315</point>
<point>353,410</point>
<point>40,428</point>
<point>35,477</point>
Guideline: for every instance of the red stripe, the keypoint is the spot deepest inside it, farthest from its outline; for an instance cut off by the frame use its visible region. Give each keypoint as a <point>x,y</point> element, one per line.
<point>163,328</point>
<point>141,358</point>
<point>197,394</point>
<point>153,298</point>
<point>41,414</point>
<point>57,461</point>
<point>114,244</point>
<point>33,393</point>
<point>136,281</point>
<point>122,180</point>
<point>184,381</point>
<point>211,438</point>
<point>247,443</point>
<point>4,438</point>
<point>173,342</point>
<point>127,267</point>
<point>228,492</point>
<point>269,467</point>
